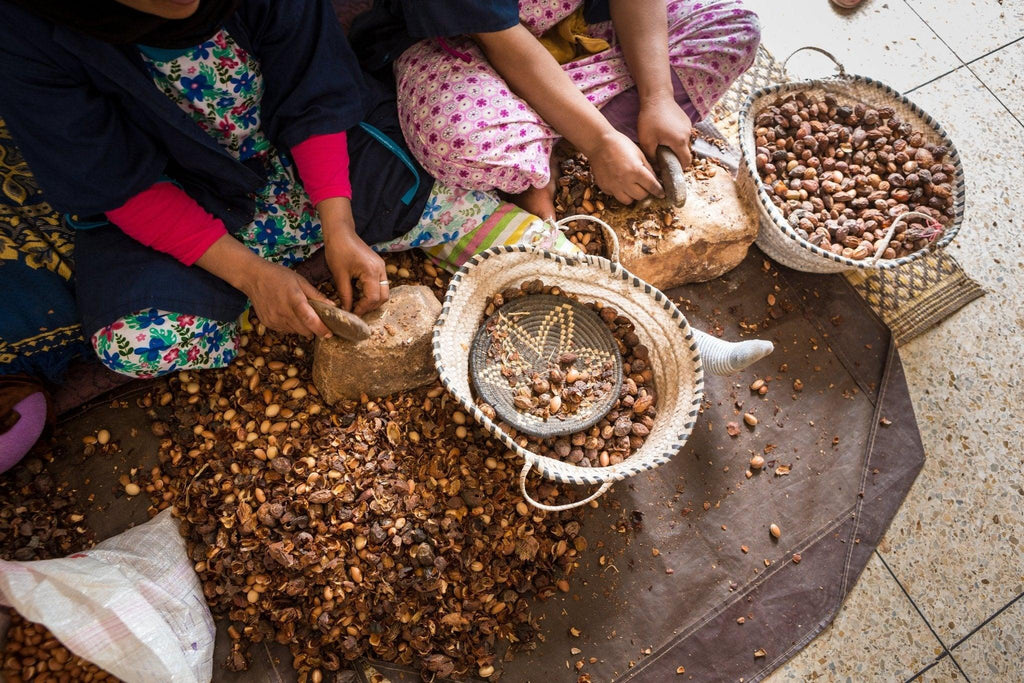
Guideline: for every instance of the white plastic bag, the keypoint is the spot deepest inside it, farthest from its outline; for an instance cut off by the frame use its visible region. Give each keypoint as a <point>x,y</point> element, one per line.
<point>132,605</point>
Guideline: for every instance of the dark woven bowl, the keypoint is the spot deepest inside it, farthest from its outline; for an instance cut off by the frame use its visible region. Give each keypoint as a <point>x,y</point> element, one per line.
<point>540,328</point>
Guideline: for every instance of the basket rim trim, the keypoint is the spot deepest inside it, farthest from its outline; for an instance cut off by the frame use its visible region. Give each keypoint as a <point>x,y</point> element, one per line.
<point>783,226</point>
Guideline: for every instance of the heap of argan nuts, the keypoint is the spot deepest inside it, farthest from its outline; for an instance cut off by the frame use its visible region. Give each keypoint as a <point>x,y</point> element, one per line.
<point>32,653</point>
<point>842,173</point>
<point>391,528</point>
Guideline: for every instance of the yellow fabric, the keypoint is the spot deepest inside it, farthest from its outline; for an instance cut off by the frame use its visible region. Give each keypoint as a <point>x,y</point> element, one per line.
<point>568,40</point>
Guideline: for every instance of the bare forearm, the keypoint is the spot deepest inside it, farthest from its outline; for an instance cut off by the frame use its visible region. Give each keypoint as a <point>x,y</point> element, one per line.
<point>231,261</point>
<point>642,29</point>
<point>533,74</point>
<point>336,218</point>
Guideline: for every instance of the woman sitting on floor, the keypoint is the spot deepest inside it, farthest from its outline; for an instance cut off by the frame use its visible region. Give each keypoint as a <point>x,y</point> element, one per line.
<point>485,88</point>
<point>206,145</point>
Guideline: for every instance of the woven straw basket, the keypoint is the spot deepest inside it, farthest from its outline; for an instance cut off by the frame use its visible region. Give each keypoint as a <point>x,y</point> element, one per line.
<point>679,355</point>
<point>777,237</point>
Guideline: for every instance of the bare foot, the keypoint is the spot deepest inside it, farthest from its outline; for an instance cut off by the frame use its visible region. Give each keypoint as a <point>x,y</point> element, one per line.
<point>540,201</point>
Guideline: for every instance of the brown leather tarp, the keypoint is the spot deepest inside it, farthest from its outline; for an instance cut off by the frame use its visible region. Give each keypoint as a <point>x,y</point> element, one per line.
<point>641,614</point>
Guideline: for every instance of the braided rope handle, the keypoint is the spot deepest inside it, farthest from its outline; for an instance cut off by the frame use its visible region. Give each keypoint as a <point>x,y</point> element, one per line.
<point>609,232</point>
<point>839,65</point>
<point>556,508</point>
<point>879,250</point>
<point>892,231</point>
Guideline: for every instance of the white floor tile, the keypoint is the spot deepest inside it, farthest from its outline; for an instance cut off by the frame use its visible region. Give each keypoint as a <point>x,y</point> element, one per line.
<point>881,38</point>
<point>996,651</point>
<point>1003,73</point>
<point>973,27</point>
<point>877,636</point>
<point>956,543</point>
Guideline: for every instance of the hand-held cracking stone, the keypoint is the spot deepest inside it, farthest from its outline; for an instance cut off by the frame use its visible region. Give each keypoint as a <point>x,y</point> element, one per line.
<point>340,322</point>
<point>670,172</point>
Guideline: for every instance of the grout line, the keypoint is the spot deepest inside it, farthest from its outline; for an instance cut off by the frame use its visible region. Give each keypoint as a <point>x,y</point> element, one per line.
<point>932,80</point>
<point>927,668</point>
<point>991,52</point>
<point>934,32</point>
<point>961,641</point>
<point>963,63</point>
<point>945,650</point>
<point>1003,104</point>
<point>982,624</point>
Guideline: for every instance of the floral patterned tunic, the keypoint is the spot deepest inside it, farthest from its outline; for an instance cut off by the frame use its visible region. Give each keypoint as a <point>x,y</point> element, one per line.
<point>220,86</point>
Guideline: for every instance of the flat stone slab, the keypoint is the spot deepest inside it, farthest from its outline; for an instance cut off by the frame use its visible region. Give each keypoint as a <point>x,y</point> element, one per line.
<point>395,357</point>
<point>702,240</point>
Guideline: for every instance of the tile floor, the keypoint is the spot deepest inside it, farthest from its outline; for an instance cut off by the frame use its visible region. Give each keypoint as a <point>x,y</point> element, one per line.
<point>941,598</point>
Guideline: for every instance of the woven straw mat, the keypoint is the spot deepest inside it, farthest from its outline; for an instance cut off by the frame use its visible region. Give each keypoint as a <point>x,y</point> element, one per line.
<point>910,299</point>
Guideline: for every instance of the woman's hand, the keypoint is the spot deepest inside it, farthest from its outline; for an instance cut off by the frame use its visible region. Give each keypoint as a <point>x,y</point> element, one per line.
<point>278,295</point>
<point>620,168</point>
<point>663,122</point>
<point>349,258</point>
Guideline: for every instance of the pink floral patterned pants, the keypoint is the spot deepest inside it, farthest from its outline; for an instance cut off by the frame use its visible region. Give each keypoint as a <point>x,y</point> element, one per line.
<point>469,130</point>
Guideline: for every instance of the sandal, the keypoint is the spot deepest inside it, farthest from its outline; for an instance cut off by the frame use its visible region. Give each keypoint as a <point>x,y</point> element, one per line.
<point>24,414</point>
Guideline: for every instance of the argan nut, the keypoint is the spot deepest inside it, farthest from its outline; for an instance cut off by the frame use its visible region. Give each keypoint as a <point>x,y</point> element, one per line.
<point>103,437</point>
<point>486,671</point>
<point>132,489</point>
<point>775,530</point>
<point>756,462</point>
<point>756,384</point>
<point>749,419</point>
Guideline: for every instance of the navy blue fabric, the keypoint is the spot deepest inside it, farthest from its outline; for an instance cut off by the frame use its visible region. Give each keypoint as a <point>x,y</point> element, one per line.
<point>596,11</point>
<point>39,329</point>
<point>116,276</point>
<point>117,134</point>
<point>382,33</point>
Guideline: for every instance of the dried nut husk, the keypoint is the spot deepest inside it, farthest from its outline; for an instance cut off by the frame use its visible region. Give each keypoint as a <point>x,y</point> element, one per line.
<point>386,528</point>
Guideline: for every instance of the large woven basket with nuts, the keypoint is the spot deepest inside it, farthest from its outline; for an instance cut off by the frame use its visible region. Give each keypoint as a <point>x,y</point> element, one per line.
<point>802,240</point>
<point>679,355</point>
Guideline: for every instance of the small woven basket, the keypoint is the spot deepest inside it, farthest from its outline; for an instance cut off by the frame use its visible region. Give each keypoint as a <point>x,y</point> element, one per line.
<point>777,237</point>
<point>674,356</point>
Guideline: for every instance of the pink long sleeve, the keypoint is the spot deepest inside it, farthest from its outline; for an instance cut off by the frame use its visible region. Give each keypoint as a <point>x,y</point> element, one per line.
<point>165,218</point>
<point>322,161</point>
